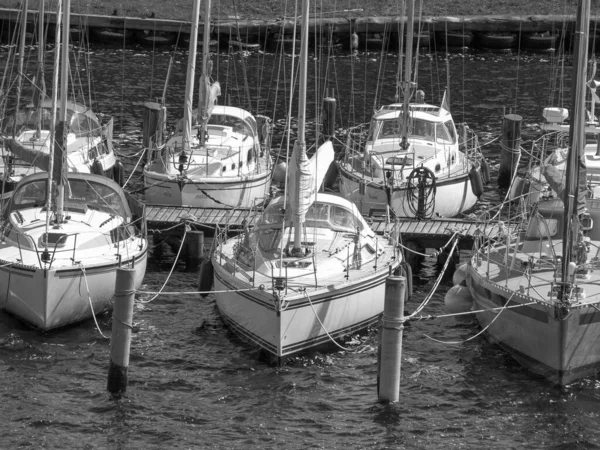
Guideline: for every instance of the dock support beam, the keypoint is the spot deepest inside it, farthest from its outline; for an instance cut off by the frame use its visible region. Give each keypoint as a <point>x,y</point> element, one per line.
<point>121,330</point>
<point>511,149</point>
<point>195,250</point>
<point>390,344</point>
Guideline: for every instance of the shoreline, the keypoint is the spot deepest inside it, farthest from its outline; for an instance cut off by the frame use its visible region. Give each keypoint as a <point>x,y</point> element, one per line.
<point>473,30</point>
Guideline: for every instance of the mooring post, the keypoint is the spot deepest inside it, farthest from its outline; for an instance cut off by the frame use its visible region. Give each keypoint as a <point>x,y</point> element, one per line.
<point>390,344</point>
<point>511,148</point>
<point>121,330</point>
<point>195,249</point>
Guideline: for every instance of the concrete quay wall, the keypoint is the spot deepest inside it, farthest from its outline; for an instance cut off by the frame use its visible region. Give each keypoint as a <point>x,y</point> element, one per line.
<point>466,31</point>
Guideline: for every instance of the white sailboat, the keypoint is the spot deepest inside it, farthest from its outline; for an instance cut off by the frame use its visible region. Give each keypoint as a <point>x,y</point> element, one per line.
<point>413,159</point>
<point>65,234</point>
<point>311,270</point>
<point>537,293</point>
<point>26,132</point>
<point>218,156</point>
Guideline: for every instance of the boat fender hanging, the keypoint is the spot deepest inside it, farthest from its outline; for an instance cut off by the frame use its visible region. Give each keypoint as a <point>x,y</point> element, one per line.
<point>458,299</point>
<point>476,183</point>
<point>485,171</point>
<point>460,274</point>
<point>407,273</point>
<point>97,168</point>
<point>205,277</point>
<point>119,173</point>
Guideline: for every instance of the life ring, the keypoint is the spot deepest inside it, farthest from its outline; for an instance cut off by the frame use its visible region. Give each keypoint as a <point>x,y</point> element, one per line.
<point>205,277</point>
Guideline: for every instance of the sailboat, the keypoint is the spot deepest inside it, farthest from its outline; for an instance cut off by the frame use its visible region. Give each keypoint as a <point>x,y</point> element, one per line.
<point>537,293</point>
<point>311,270</point>
<point>413,160</point>
<point>26,132</point>
<point>218,156</point>
<point>64,234</point>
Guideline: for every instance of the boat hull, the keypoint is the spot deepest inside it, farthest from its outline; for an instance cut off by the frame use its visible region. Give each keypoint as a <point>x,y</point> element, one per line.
<point>453,195</point>
<point>561,348</point>
<point>259,318</point>
<point>234,192</point>
<point>56,297</point>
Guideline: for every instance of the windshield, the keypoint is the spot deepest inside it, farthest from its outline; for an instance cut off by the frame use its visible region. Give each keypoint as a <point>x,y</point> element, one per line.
<point>239,125</point>
<point>417,128</point>
<point>79,123</point>
<point>94,195</point>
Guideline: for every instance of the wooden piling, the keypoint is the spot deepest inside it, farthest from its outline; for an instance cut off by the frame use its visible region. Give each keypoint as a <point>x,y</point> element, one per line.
<point>154,124</point>
<point>195,250</point>
<point>511,148</point>
<point>121,330</point>
<point>390,344</point>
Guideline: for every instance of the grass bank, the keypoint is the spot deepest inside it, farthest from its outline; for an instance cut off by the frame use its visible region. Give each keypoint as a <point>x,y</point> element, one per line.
<point>272,9</point>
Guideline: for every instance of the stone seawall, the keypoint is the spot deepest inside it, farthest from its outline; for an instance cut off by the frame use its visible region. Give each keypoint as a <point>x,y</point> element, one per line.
<point>495,32</point>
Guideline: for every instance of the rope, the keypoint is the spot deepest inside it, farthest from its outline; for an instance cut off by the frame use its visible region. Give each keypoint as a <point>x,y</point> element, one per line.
<point>436,284</point>
<point>172,269</point>
<point>323,326</point>
<point>134,169</point>
<point>224,291</point>
<point>90,302</point>
<point>483,329</point>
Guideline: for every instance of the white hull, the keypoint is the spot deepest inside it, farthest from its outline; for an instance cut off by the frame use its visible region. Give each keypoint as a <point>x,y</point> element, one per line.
<point>233,192</point>
<point>331,312</point>
<point>53,298</point>
<point>453,196</point>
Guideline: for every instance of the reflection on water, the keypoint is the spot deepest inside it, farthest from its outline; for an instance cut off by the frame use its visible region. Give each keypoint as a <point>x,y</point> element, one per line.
<point>192,384</point>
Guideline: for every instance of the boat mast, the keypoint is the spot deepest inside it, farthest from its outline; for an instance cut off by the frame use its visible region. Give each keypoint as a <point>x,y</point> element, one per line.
<point>54,100</point>
<point>577,144</point>
<point>63,126</point>
<point>21,62</point>
<point>301,142</point>
<point>204,84</point>
<point>407,83</point>
<point>191,73</point>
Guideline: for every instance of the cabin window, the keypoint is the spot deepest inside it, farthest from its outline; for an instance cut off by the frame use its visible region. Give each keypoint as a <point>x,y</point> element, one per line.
<point>437,167</point>
<point>445,133</point>
<point>541,227</point>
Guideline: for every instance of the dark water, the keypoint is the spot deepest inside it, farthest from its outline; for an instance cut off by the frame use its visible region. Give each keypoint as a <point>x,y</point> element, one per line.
<point>194,385</point>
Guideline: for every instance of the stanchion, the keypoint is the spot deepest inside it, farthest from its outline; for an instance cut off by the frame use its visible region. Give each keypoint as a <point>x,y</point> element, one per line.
<point>390,343</point>
<point>121,330</point>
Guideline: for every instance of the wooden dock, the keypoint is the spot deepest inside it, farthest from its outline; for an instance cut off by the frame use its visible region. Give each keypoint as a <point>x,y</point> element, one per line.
<point>162,218</point>
<point>430,233</point>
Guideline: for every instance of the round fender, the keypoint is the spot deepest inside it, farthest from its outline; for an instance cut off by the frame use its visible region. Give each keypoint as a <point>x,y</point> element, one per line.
<point>119,173</point>
<point>476,183</point>
<point>97,168</point>
<point>406,271</point>
<point>485,171</point>
<point>205,277</point>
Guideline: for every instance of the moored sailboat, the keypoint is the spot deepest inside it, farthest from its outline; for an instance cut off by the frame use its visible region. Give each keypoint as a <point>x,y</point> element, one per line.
<point>64,235</point>
<point>537,293</point>
<point>413,159</point>
<point>218,157</point>
<point>26,131</point>
<point>311,270</point>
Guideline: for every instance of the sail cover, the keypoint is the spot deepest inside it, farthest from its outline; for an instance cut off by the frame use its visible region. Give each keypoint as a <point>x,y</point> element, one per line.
<point>306,176</point>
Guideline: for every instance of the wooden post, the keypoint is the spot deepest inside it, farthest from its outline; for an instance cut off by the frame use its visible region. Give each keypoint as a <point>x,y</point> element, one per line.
<point>154,124</point>
<point>121,330</point>
<point>390,344</point>
<point>511,148</point>
<point>195,250</point>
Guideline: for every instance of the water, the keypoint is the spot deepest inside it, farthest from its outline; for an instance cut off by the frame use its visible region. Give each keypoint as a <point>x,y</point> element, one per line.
<point>192,384</point>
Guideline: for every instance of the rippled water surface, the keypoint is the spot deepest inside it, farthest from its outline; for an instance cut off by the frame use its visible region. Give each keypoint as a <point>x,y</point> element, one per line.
<point>192,384</point>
